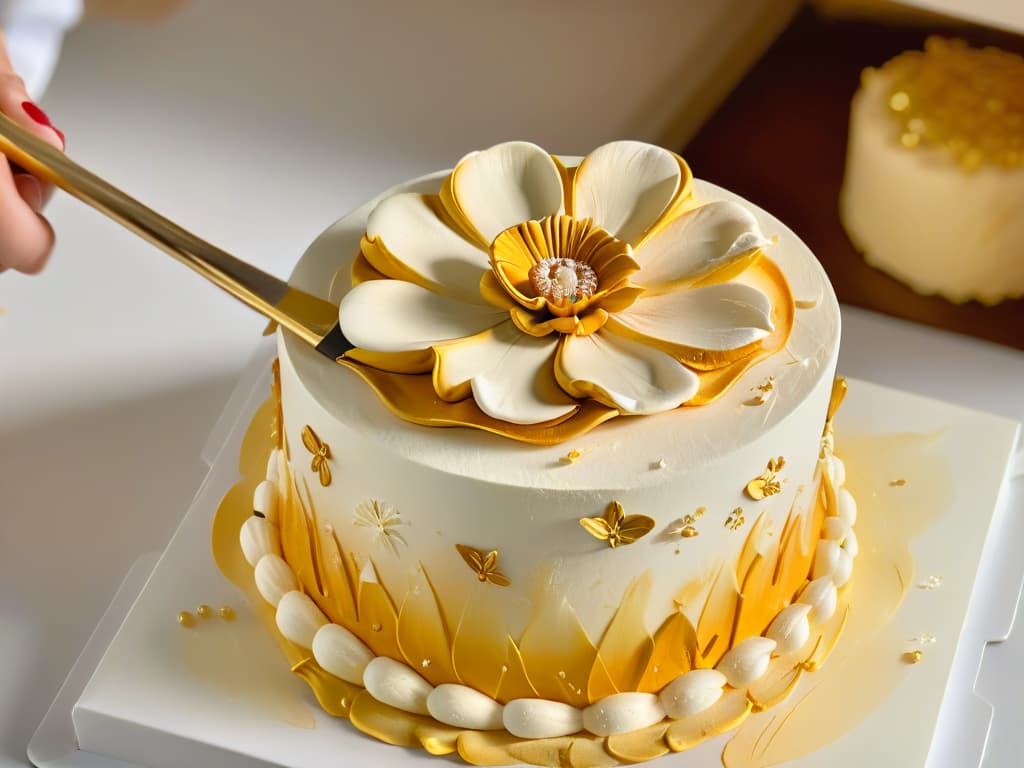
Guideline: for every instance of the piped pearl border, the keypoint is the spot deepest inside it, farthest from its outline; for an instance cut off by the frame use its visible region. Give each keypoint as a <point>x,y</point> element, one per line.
<point>342,654</point>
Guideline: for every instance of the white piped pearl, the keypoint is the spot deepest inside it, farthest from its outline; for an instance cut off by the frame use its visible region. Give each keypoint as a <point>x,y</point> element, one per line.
<point>264,500</point>
<point>541,718</point>
<point>259,537</point>
<point>274,578</point>
<point>299,618</point>
<point>692,692</point>
<point>464,707</point>
<point>835,528</point>
<point>341,653</point>
<point>790,629</point>
<point>393,683</point>
<point>850,544</point>
<point>273,472</point>
<point>622,712</point>
<point>844,568</point>
<point>820,594</point>
<point>826,558</point>
<point>846,506</point>
<point>746,661</point>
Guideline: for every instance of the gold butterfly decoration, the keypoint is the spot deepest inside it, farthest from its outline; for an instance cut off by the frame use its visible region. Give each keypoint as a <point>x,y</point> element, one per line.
<point>616,527</point>
<point>767,483</point>
<point>484,566</point>
<point>321,453</point>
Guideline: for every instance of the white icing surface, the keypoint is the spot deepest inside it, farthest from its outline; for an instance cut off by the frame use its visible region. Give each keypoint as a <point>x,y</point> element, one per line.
<point>259,537</point>
<point>464,707</point>
<point>392,682</point>
<point>341,653</point>
<point>746,661</point>
<point>541,718</point>
<point>919,217</point>
<point>468,487</point>
<point>274,578</point>
<point>622,713</point>
<point>692,692</point>
<point>299,618</point>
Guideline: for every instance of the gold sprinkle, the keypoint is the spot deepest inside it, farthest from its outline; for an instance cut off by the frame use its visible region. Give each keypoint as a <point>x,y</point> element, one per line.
<point>376,627</point>
<point>204,611</point>
<point>899,101</point>
<point>913,657</point>
<point>735,520</point>
<point>425,663</point>
<point>899,483</point>
<point>186,619</point>
<point>571,457</point>
<point>227,613</point>
<point>689,532</point>
<point>659,464</point>
<point>964,101</point>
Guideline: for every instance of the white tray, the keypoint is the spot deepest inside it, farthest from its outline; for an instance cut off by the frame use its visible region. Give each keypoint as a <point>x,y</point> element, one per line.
<point>145,692</point>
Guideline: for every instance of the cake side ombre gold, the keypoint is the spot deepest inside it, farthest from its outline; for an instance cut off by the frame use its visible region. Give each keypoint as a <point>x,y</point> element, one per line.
<point>597,594</point>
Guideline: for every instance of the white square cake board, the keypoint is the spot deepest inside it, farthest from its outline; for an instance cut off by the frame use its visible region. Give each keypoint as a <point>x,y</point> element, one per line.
<point>146,692</point>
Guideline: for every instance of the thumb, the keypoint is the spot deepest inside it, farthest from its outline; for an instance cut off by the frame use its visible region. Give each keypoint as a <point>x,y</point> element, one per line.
<point>17,105</point>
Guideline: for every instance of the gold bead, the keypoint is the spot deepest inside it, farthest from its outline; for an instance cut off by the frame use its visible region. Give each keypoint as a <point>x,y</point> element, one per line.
<point>899,101</point>
<point>227,613</point>
<point>186,620</point>
<point>204,611</point>
<point>913,657</point>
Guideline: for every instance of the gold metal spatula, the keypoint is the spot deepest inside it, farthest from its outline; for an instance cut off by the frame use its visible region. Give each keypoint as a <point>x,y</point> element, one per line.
<point>312,319</point>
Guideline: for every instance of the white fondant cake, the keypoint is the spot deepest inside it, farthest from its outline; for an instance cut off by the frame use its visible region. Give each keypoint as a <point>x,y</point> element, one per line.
<point>934,182</point>
<point>647,572</point>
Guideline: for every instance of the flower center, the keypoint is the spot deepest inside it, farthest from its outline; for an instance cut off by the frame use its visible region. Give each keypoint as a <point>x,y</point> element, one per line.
<point>563,281</point>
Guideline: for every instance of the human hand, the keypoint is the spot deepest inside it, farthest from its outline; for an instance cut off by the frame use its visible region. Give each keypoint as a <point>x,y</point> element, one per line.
<point>26,238</point>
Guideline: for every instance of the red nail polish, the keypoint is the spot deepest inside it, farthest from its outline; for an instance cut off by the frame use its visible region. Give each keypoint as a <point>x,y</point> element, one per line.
<point>33,111</point>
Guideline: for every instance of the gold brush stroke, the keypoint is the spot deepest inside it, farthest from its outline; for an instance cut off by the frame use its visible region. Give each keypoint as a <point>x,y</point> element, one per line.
<point>554,642</point>
<point>626,646</point>
<point>423,632</point>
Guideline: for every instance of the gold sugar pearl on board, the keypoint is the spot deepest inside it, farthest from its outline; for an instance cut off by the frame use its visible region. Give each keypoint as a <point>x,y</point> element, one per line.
<point>186,620</point>
<point>913,657</point>
<point>204,611</point>
<point>227,613</point>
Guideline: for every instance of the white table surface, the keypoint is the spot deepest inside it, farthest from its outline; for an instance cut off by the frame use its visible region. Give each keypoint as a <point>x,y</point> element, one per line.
<point>257,131</point>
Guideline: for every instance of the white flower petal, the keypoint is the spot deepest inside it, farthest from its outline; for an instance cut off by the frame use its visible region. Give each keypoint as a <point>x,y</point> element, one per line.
<point>699,241</point>
<point>396,316</point>
<point>625,186</point>
<point>511,374</point>
<point>623,374</point>
<point>506,185</point>
<point>412,232</point>
<point>717,317</point>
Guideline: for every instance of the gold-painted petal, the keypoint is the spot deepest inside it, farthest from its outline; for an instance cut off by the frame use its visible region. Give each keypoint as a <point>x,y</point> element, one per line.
<point>718,239</point>
<point>420,361</point>
<point>413,399</point>
<point>423,632</point>
<point>583,325</point>
<point>505,185</point>
<point>513,253</point>
<point>509,373</point>
<point>623,374</point>
<point>396,316</point>
<point>620,298</point>
<point>494,293</point>
<point>408,239</point>
<point>626,645</point>
<point>716,318</point>
<point>625,186</point>
<point>557,653</point>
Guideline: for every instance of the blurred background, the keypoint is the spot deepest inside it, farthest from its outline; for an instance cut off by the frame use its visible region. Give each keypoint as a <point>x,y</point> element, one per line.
<point>256,124</point>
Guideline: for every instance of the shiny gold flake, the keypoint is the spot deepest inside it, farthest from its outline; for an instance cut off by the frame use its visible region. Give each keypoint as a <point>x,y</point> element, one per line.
<point>485,566</point>
<point>735,520</point>
<point>616,527</point>
<point>767,483</point>
<point>571,457</point>
<point>383,520</point>
<point>898,483</point>
<point>763,392</point>
<point>686,526</point>
<point>321,453</point>
<point>913,657</point>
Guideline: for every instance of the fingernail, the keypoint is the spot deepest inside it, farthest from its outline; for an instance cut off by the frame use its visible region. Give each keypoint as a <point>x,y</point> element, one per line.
<point>33,111</point>
<point>31,190</point>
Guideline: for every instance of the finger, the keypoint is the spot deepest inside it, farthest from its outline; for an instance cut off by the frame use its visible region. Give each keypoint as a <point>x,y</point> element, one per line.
<point>26,238</point>
<point>17,105</point>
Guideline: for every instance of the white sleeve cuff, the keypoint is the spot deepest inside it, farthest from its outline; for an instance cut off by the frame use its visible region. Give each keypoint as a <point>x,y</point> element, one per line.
<point>34,30</point>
